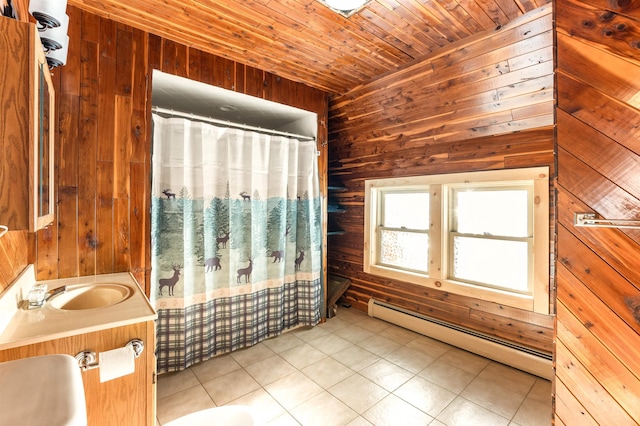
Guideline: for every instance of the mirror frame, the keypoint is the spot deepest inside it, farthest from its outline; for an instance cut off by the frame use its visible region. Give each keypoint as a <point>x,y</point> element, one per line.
<point>40,74</point>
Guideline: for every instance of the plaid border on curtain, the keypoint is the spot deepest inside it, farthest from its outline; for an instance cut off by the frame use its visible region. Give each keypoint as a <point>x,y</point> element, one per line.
<point>199,332</point>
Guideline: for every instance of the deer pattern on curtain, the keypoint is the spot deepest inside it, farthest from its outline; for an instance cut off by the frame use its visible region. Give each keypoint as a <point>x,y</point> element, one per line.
<point>236,240</point>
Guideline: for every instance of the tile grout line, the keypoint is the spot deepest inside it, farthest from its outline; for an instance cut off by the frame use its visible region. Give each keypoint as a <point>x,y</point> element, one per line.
<point>352,320</point>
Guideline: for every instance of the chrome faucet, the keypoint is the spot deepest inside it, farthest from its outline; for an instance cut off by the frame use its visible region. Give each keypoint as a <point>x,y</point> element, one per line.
<point>38,295</point>
<point>55,292</point>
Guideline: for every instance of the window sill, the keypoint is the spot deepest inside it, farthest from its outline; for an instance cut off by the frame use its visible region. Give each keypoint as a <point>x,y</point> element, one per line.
<point>520,301</point>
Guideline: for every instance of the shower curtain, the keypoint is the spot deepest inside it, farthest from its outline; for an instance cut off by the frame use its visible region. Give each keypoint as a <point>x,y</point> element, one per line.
<point>236,238</point>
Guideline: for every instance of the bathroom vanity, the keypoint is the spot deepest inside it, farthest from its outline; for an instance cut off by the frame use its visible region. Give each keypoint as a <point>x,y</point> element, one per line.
<point>84,327</point>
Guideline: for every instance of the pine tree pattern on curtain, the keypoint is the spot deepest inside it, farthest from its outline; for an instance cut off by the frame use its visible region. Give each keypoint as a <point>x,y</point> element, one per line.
<point>236,239</point>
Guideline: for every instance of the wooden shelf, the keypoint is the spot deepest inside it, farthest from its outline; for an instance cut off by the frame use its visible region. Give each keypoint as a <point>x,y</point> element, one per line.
<point>336,286</point>
<point>333,206</point>
<point>335,188</point>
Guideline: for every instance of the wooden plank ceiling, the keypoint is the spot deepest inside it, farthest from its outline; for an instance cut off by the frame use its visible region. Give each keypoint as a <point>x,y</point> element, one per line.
<point>305,41</point>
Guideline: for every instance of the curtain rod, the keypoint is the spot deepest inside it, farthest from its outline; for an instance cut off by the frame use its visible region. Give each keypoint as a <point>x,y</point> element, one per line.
<point>229,123</point>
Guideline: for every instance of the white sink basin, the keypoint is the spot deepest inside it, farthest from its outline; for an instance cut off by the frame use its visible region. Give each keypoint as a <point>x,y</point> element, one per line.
<point>42,390</point>
<point>91,296</point>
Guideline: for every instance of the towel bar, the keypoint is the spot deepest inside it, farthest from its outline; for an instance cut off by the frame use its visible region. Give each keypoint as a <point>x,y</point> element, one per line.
<point>590,220</point>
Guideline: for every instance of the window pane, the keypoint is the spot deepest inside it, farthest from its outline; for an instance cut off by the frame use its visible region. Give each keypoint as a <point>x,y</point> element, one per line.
<point>408,210</point>
<point>491,212</point>
<point>407,250</point>
<point>494,262</point>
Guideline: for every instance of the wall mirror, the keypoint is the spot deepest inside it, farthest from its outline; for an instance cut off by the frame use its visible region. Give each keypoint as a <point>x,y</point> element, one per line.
<point>42,152</point>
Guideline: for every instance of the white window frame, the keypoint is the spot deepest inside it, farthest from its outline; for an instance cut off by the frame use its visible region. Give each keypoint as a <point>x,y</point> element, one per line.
<point>381,228</point>
<point>438,274</point>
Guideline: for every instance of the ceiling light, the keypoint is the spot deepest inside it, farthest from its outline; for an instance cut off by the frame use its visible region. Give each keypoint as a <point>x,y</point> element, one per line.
<point>345,7</point>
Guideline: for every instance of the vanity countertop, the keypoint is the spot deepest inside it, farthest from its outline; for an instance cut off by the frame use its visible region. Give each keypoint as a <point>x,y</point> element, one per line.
<point>19,327</point>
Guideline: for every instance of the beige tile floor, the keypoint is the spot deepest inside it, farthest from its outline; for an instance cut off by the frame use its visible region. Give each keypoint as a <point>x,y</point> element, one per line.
<point>356,370</point>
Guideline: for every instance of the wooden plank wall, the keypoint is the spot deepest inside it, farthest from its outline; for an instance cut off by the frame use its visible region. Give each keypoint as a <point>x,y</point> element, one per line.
<point>104,144</point>
<point>598,279</point>
<point>483,105</point>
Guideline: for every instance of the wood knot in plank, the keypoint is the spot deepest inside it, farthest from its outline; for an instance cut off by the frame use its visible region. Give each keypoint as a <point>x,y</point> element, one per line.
<point>587,24</point>
<point>633,303</point>
<point>619,4</point>
<point>92,242</point>
<point>607,16</point>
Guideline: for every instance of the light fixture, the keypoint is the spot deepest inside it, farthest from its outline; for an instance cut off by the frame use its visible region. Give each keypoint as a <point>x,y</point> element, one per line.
<point>56,37</point>
<point>345,7</point>
<point>58,57</point>
<point>48,13</point>
<point>53,24</point>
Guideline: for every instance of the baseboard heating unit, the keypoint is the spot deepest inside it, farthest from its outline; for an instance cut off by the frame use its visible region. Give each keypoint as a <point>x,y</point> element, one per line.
<point>517,356</point>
